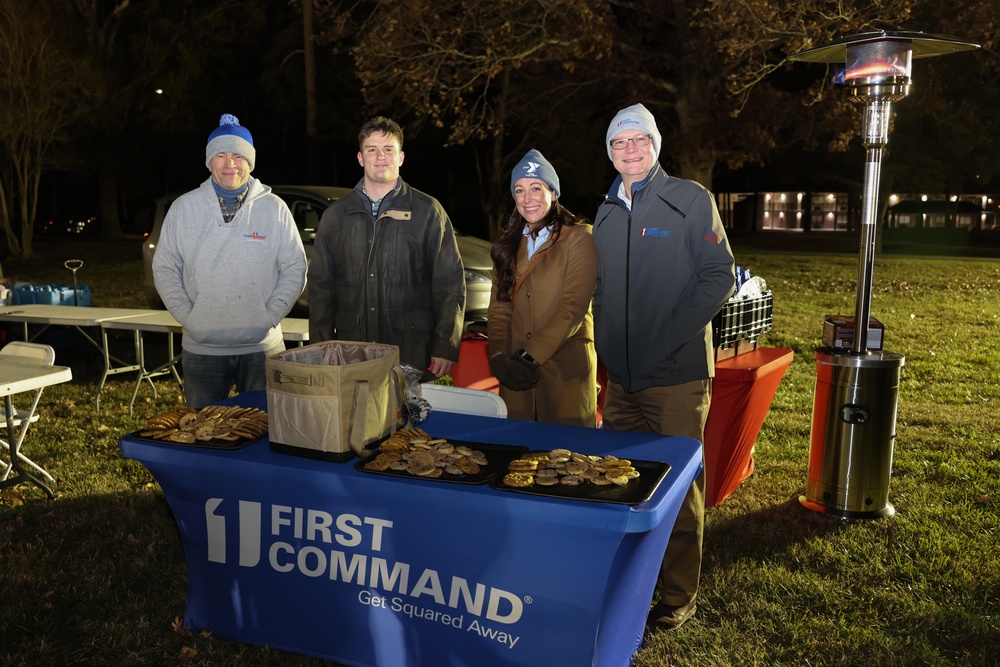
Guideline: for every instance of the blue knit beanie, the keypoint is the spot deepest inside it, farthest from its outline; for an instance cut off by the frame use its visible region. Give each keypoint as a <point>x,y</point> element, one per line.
<point>534,165</point>
<point>230,137</point>
<point>635,117</point>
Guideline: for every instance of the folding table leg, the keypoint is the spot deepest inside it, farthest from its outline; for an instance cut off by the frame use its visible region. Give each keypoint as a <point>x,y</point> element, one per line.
<point>109,368</point>
<point>25,460</point>
<point>169,367</point>
<point>20,432</point>
<point>15,439</point>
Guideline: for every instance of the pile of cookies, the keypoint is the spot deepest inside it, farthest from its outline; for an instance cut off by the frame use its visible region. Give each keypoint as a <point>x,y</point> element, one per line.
<point>563,467</point>
<point>213,422</point>
<point>414,451</point>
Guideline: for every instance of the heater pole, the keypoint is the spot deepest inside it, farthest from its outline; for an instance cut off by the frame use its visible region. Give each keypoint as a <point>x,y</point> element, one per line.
<point>875,136</point>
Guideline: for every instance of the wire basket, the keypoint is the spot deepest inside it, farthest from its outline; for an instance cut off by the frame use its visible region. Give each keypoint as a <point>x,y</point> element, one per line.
<point>743,319</point>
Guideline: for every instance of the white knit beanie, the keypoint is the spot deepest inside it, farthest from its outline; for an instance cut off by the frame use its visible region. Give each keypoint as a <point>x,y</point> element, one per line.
<point>635,117</point>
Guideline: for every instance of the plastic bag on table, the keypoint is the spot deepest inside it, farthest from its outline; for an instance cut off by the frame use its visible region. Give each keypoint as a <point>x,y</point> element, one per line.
<point>752,289</point>
<point>748,286</point>
<point>418,406</point>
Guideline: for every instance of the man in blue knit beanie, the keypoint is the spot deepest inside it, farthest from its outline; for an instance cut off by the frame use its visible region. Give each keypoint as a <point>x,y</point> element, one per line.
<point>229,266</point>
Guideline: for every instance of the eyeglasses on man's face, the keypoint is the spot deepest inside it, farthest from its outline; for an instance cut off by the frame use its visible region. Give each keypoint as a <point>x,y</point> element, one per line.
<point>639,142</point>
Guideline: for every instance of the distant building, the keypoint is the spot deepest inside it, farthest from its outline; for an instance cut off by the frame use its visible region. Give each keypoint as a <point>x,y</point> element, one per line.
<point>971,212</point>
<point>788,211</point>
<point>841,211</point>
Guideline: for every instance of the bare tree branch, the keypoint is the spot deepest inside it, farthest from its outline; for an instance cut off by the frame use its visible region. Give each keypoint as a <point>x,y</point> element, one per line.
<point>48,87</point>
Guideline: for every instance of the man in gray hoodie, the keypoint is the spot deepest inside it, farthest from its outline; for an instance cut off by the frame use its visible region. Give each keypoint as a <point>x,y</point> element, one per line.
<point>665,270</point>
<point>229,267</point>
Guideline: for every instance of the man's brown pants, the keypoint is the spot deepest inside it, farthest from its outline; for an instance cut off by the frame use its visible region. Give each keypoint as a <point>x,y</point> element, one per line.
<point>671,410</point>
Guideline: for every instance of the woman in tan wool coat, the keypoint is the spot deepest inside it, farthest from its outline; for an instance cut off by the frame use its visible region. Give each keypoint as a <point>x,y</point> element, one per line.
<point>541,330</point>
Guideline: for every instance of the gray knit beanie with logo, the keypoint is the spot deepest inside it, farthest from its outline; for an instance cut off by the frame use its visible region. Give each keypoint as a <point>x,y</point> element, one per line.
<point>534,165</point>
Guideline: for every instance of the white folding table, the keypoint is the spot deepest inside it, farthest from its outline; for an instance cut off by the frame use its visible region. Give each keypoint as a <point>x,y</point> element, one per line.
<point>77,317</point>
<point>158,321</point>
<point>295,329</point>
<point>161,321</point>
<point>18,376</point>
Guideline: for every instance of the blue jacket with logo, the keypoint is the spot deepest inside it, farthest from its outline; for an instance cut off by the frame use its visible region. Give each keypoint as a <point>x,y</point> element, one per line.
<point>665,269</point>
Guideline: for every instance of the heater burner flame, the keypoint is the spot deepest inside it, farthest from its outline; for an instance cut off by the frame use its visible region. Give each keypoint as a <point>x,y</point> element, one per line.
<point>876,69</point>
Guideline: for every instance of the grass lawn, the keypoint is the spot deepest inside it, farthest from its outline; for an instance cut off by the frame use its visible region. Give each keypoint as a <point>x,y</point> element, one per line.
<point>97,577</point>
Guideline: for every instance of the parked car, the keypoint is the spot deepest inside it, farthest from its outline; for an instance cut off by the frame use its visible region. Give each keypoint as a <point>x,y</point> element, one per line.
<point>84,226</point>
<point>307,204</point>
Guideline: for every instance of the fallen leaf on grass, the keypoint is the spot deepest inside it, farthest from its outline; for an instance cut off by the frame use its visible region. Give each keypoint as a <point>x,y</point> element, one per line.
<point>12,497</point>
<point>46,601</point>
<point>178,626</point>
<point>188,653</point>
<point>142,623</point>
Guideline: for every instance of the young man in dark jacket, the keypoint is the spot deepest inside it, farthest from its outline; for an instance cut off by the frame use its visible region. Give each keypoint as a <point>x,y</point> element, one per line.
<point>385,266</point>
<point>664,270</point>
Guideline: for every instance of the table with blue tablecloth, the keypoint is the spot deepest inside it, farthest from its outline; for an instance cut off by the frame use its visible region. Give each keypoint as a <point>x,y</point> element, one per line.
<point>323,559</point>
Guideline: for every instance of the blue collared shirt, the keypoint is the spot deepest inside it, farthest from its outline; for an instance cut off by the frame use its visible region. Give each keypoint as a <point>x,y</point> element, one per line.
<point>536,243</point>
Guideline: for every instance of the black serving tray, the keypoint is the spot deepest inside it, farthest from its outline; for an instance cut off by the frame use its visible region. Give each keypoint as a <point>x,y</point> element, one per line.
<point>498,457</point>
<point>638,490</point>
<point>206,444</point>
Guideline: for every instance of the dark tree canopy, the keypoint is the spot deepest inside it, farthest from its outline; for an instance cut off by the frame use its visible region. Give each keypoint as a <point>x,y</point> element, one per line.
<point>476,84</point>
<point>511,74</point>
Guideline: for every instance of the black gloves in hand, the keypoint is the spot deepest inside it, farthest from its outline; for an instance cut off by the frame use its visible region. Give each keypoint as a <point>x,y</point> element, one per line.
<point>514,372</point>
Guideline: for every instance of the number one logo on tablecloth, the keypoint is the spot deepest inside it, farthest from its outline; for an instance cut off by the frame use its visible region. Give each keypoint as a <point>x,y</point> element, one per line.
<point>249,534</point>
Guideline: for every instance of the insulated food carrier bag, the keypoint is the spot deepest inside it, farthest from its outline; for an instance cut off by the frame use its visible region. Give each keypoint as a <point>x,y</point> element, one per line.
<point>329,400</point>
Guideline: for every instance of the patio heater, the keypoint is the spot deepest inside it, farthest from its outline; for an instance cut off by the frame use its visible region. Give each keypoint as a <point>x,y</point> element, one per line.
<point>857,385</point>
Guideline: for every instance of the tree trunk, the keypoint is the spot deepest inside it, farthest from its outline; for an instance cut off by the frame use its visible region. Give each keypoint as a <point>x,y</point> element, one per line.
<point>694,158</point>
<point>29,175</point>
<point>495,203</point>
<point>110,219</point>
<point>309,51</point>
<point>696,166</point>
<point>13,244</point>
